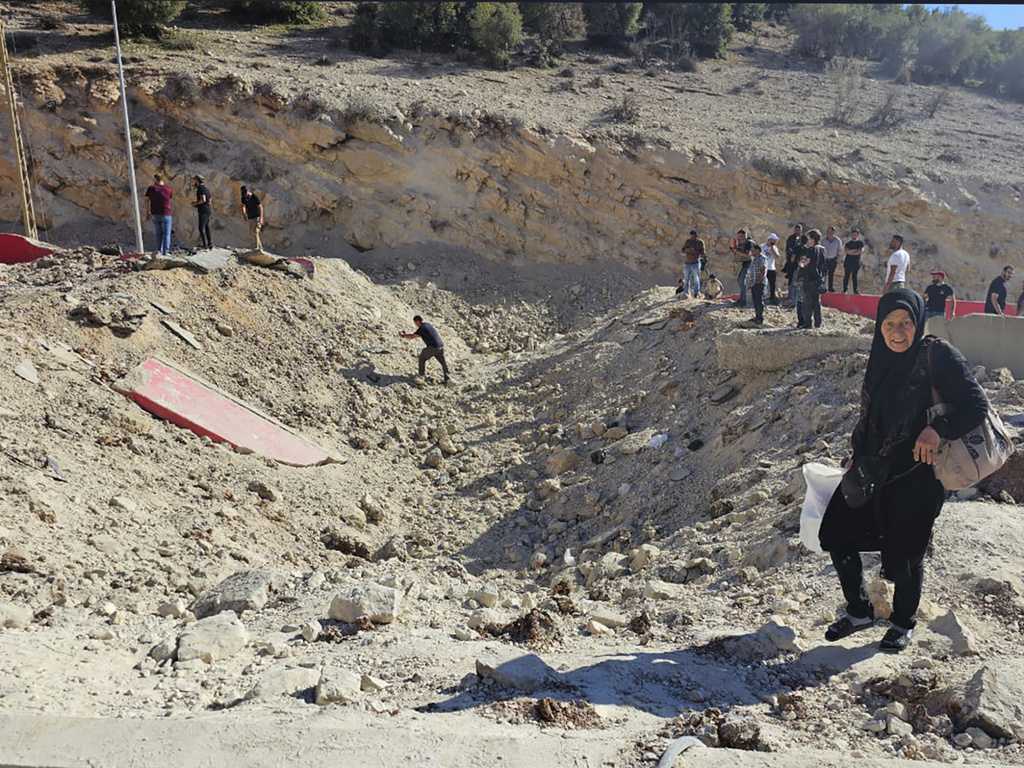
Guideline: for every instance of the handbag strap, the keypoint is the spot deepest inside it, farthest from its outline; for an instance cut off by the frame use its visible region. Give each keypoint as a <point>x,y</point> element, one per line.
<point>938,408</point>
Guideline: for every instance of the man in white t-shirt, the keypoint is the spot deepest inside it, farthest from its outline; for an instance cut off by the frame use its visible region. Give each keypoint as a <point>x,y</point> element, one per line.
<point>898,264</point>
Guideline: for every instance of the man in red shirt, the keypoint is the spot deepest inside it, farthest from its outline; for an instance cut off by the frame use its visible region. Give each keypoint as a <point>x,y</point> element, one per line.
<point>159,210</point>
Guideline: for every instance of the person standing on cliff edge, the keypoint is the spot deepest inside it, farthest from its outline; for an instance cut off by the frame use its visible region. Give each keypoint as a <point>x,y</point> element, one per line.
<point>159,210</point>
<point>202,206</point>
<point>252,212</point>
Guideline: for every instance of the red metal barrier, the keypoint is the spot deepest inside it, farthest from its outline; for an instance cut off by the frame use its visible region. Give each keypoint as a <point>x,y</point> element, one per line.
<point>18,249</point>
<point>172,394</point>
<point>866,305</point>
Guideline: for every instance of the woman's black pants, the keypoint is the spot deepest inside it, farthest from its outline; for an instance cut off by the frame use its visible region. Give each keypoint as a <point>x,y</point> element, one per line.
<point>907,576</point>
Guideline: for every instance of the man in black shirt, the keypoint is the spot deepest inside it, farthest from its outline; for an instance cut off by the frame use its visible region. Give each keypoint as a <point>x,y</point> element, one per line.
<point>794,249</point>
<point>995,299</point>
<point>202,206</point>
<point>851,262</point>
<point>434,347</point>
<point>813,270</point>
<point>743,248</point>
<point>252,212</point>
<point>935,296</point>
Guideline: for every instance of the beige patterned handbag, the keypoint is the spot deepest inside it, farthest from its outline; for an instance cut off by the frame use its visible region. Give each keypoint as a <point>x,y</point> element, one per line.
<point>962,462</point>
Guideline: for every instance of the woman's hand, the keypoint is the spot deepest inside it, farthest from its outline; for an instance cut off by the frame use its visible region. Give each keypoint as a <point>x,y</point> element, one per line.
<point>927,446</point>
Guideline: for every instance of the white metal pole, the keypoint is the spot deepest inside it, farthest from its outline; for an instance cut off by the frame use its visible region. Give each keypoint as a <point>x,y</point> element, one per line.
<point>140,248</point>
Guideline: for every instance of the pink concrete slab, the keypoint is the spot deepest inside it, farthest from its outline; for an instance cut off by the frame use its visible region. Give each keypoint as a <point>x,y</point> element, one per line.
<point>176,396</point>
<point>16,249</point>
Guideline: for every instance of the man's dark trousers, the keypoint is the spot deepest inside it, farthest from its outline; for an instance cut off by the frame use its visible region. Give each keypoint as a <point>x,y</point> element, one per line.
<point>812,305</point>
<point>429,352</point>
<point>757,292</point>
<point>831,265</point>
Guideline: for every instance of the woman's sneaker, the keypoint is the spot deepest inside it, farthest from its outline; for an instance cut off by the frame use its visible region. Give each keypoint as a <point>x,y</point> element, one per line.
<point>847,625</point>
<point>895,639</point>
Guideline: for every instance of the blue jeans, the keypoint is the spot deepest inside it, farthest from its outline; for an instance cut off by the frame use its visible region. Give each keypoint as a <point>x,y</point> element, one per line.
<point>163,232</point>
<point>691,280</point>
<point>742,277</point>
<point>929,315</point>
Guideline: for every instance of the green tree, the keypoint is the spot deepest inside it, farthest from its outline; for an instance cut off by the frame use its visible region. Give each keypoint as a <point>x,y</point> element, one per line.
<point>140,17</point>
<point>280,12</point>
<point>745,14</point>
<point>427,25</point>
<point>778,12</point>
<point>367,32</point>
<point>706,28</point>
<point>612,20</point>
<point>952,47</point>
<point>827,30</point>
<point>553,23</point>
<point>495,28</point>
<point>1007,78</point>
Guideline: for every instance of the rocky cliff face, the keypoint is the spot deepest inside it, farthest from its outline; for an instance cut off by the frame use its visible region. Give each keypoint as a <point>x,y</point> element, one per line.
<point>331,180</point>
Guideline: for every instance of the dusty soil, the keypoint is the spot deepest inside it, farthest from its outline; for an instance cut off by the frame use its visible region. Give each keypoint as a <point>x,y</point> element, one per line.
<point>592,490</point>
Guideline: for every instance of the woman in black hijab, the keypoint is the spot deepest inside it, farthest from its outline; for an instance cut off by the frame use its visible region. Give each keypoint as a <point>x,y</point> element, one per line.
<point>894,444</point>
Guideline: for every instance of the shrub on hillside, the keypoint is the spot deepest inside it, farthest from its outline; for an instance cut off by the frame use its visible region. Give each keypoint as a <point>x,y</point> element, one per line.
<point>367,33</point>
<point>496,28</point>
<point>953,47</point>
<point>701,29</point>
<point>553,23</point>
<point>626,111</point>
<point>745,14</point>
<point>849,29</point>
<point>140,17</point>
<point>845,77</point>
<point>415,25</point>
<point>280,12</point>
<point>1008,76</point>
<point>608,21</point>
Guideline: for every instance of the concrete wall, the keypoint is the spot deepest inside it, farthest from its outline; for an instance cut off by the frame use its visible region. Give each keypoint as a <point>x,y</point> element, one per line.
<point>989,340</point>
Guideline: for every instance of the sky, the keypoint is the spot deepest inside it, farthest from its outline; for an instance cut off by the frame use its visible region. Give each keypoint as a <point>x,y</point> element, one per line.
<point>997,16</point>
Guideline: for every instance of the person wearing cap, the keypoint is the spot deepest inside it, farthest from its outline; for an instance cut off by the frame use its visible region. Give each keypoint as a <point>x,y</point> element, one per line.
<point>898,264</point>
<point>851,261</point>
<point>693,256</point>
<point>935,296</point>
<point>771,253</point>
<point>252,212</point>
<point>833,247</point>
<point>202,206</point>
<point>743,249</point>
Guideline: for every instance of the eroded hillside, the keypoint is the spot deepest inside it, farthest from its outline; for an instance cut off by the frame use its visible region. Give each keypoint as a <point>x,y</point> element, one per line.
<point>593,489</point>
<point>522,165</point>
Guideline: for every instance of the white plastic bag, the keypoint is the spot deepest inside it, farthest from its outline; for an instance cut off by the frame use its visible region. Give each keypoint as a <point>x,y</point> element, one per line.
<point>822,481</point>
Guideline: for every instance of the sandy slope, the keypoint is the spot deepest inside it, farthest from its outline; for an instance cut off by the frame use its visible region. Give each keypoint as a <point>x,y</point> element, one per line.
<point>150,514</point>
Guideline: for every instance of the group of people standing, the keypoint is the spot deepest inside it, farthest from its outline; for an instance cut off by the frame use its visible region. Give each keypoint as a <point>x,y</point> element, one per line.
<point>809,266</point>
<point>157,199</point>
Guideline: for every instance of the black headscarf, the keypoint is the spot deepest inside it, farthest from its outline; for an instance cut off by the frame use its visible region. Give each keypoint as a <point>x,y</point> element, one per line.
<point>885,397</point>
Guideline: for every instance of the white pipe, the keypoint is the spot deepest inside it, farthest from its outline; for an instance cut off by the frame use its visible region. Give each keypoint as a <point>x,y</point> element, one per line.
<point>140,248</point>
